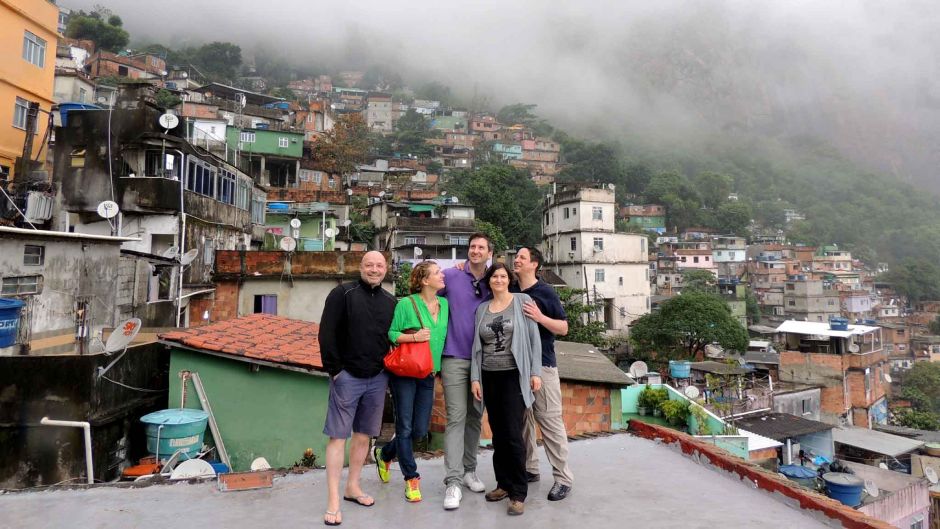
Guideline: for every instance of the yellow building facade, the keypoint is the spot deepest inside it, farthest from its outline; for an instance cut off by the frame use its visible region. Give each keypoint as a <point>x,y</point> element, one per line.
<point>27,72</point>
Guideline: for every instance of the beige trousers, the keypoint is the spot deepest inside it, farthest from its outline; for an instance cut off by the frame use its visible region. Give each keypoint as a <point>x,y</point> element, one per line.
<point>546,412</point>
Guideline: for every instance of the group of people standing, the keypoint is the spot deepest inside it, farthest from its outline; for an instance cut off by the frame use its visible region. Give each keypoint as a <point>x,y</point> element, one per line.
<point>491,331</point>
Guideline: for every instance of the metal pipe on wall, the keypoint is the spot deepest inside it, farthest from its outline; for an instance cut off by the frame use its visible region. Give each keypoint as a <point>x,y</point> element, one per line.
<point>86,426</point>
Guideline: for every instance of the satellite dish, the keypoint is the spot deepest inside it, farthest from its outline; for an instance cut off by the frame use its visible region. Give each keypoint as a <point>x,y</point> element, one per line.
<point>931,475</point>
<point>168,121</point>
<point>454,200</point>
<point>418,252</point>
<point>260,463</point>
<point>192,468</point>
<point>742,362</point>
<point>108,209</point>
<point>329,232</point>
<point>381,194</point>
<point>288,244</point>
<point>691,392</point>
<point>122,335</point>
<point>638,369</point>
<point>189,256</point>
<point>882,466</point>
<point>872,489</point>
<point>887,378</point>
<point>347,222</point>
<point>853,348</point>
<point>294,223</point>
<point>170,253</point>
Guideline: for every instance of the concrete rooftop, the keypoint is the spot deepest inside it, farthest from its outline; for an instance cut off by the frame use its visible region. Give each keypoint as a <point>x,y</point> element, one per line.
<point>621,481</point>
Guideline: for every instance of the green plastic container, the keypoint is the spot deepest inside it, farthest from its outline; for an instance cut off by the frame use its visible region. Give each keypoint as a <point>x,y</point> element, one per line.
<point>182,429</point>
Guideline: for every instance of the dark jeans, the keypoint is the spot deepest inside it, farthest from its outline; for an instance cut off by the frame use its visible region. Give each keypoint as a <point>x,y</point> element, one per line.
<point>505,409</point>
<point>413,399</point>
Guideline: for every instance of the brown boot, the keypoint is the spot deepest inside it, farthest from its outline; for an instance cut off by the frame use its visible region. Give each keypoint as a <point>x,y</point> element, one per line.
<point>496,494</point>
<point>515,508</point>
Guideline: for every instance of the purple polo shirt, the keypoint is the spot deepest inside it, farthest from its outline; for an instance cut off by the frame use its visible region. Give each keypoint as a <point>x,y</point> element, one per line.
<point>463,303</point>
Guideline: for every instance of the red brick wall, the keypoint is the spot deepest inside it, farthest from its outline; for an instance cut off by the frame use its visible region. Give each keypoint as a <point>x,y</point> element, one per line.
<point>222,305</point>
<point>586,409</point>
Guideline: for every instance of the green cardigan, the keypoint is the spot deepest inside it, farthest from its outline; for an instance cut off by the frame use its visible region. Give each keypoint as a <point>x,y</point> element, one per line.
<point>405,318</point>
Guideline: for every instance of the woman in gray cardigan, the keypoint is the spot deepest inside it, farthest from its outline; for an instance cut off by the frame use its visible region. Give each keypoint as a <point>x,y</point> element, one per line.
<point>505,367</point>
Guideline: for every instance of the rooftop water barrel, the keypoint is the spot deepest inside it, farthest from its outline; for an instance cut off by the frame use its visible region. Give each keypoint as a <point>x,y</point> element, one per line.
<point>182,428</point>
<point>846,488</point>
<point>9,320</point>
<point>802,475</point>
<point>680,368</point>
<point>838,324</point>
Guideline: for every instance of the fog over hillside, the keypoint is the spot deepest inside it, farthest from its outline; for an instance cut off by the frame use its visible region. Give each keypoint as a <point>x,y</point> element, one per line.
<point>861,76</point>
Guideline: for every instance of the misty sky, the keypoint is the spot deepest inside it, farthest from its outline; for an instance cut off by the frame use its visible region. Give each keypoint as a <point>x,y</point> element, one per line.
<point>862,74</point>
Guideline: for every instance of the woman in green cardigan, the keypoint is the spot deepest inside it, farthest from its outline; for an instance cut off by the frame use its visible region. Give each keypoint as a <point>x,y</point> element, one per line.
<point>414,397</point>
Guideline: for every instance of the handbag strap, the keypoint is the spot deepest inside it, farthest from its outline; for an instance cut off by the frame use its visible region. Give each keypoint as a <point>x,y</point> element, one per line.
<point>417,312</point>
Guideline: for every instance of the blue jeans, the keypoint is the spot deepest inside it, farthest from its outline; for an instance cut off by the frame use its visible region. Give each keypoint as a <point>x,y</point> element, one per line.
<point>413,398</point>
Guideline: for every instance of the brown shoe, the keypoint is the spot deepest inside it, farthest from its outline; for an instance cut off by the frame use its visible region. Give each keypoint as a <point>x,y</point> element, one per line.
<point>496,494</point>
<point>515,508</point>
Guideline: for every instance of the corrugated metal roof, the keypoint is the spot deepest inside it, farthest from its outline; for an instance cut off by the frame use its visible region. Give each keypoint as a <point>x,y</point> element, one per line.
<point>816,328</point>
<point>585,363</point>
<point>780,426</point>
<point>875,441</point>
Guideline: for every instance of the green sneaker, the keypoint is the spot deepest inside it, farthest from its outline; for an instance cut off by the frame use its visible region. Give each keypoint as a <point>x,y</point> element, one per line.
<point>381,466</point>
<point>413,490</point>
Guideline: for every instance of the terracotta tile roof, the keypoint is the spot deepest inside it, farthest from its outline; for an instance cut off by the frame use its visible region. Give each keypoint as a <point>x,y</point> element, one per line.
<point>260,336</point>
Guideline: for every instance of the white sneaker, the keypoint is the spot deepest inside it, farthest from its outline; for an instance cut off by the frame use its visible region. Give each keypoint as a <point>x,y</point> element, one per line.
<point>472,482</point>
<point>452,497</point>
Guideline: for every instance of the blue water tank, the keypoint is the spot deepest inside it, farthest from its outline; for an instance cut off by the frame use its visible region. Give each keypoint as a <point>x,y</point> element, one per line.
<point>277,205</point>
<point>64,109</point>
<point>175,429</point>
<point>9,320</point>
<point>846,488</point>
<point>680,368</point>
<point>838,324</point>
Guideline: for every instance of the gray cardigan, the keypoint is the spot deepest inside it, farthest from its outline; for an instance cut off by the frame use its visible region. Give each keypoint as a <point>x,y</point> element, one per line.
<point>526,348</point>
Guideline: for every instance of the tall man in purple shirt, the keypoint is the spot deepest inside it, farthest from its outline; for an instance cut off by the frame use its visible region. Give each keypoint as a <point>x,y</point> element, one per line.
<point>465,291</point>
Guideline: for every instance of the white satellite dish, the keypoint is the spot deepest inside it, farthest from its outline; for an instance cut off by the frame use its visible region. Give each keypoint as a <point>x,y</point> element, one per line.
<point>288,244</point>
<point>454,200</point>
<point>122,335</point>
<point>329,232</point>
<point>931,475</point>
<point>189,256</point>
<point>260,463</point>
<point>691,392</point>
<point>168,121</point>
<point>347,222</point>
<point>853,348</point>
<point>883,466</point>
<point>108,209</point>
<point>887,378</point>
<point>294,223</point>
<point>381,194</point>
<point>871,488</point>
<point>418,252</point>
<point>170,253</point>
<point>638,369</point>
<point>192,468</point>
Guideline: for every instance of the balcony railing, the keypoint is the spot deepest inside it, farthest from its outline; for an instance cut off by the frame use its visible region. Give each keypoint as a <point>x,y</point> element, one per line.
<point>424,222</point>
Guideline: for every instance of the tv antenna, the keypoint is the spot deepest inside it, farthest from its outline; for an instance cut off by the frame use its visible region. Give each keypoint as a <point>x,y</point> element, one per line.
<point>638,369</point>
<point>108,210</point>
<point>120,338</point>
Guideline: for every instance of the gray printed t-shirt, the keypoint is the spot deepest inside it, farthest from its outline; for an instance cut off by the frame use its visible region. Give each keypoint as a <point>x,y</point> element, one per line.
<point>496,339</point>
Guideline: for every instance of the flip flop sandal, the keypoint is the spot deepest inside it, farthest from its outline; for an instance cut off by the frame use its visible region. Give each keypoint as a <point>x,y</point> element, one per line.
<point>358,500</point>
<point>334,515</point>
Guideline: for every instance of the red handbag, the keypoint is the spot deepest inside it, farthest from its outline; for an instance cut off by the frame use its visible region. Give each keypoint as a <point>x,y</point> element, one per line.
<point>411,359</point>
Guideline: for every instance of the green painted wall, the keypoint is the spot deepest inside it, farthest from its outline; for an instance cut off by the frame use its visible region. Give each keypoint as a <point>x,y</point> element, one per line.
<point>271,413</point>
<point>647,222</point>
<point>267,142</point>
<point>309,232</point>
<point>616,410</point>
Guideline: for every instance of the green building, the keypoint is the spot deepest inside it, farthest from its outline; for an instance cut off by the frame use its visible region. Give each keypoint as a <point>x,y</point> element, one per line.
<point>265,383</point>
<point>317,231</point>
<point>271,157</point>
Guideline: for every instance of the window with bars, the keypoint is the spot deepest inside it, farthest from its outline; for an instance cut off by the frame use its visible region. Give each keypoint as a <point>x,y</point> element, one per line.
<point>34,49</point>
<point>21,285</point>
<point>34,255</point>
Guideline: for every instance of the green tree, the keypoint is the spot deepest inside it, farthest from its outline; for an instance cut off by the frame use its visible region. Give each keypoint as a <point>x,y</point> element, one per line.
<point>403,279</point>
<point>361,228</point>
<point>411,133</point>
<point>166,99</point>
<point>434,91</point>
<point>919,420</point>
<point>685,324</point>
<point>517,114</point>
<point>752,307</point>
<point>934,326</point>
<point>714,188</point>
<point>921,386</point>
<point>100,26</point>
<point>699,281</point>
<point>218,60</point>
<point>503,196</point>
<point>284,93</point>
<point>582,328</point>
<point>916,278</point>
<point>733,217</point>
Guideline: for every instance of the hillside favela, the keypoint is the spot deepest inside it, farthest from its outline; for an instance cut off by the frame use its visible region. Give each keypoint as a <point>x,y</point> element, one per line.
<point>655,265</point>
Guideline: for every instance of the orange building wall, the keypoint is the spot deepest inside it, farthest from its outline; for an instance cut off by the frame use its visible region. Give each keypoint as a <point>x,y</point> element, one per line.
<point>20,78</point>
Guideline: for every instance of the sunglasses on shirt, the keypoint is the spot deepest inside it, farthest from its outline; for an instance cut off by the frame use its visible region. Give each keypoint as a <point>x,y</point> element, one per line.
<point>476,287</point>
